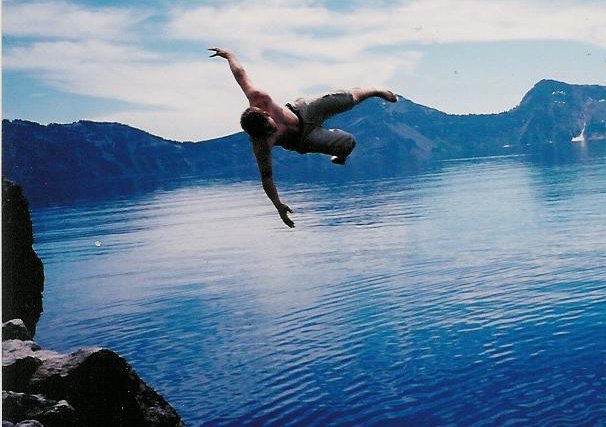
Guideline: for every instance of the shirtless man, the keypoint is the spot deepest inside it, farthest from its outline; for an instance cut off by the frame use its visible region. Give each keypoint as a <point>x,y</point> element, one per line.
<point>295,127</point>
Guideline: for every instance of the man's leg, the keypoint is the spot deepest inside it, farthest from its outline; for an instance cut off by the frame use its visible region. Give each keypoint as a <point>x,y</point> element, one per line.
<point>334,142</point>
<point>324,107</point>
<point>359,95</point>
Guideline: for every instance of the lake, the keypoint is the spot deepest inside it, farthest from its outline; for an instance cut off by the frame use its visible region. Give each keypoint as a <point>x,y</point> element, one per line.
<point>472,292</point>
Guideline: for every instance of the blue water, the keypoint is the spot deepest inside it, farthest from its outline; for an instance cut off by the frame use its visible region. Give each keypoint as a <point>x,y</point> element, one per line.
<point>471,293</point>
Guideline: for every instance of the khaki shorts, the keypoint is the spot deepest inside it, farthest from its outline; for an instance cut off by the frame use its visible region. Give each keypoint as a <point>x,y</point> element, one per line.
<point>312,114</point>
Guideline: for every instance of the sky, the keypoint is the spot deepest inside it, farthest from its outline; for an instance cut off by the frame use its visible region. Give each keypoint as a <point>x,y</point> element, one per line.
<point>146,64</point>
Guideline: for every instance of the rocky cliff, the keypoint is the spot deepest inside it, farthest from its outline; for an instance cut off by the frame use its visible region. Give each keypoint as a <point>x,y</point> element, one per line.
<point>90,387</point>
<point>22,270</point>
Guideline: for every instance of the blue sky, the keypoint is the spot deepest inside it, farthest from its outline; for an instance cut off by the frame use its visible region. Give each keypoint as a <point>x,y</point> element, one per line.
<point>145,63</point>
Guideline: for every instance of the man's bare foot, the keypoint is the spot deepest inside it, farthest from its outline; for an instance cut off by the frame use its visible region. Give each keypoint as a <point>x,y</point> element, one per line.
<point>338,160</point>
<point>387,95</point>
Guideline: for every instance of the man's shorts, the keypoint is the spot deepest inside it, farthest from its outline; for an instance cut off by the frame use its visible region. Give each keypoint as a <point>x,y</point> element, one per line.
<point>312,114</point>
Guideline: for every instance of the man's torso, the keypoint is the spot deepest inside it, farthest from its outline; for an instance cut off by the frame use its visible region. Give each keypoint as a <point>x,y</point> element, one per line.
<point>287,135</point>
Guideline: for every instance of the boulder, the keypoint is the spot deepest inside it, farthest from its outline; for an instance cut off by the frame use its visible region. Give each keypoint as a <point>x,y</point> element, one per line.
<point>91,387</point>
<point>20,359</point>
<point>103,389</point>
<point>22,270</point>
<point>15,329</point>
<point>29,423</point>
<point>17,407</point>
<point>61,414</point>
<point>18,364</point>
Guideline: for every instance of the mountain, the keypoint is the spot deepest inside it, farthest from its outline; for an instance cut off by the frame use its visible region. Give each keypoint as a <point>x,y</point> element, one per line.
<point>65,160</point>
<point>550,113</point>
<point>69,160</point>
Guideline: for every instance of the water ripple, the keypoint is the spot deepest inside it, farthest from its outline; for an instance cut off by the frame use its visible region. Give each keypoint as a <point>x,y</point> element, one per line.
<point>473,294</point>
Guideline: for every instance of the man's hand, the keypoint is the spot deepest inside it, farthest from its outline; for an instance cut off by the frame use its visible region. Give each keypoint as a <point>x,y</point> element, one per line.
<point>223,53</point>
<point>283,211</point>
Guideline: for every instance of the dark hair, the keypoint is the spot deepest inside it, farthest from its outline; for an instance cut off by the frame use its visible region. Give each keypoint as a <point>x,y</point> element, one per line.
<point>255,123</point>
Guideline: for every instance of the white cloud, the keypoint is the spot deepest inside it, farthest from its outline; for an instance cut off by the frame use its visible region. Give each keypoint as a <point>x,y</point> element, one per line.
<point>206,102</point>
<point>58,19</point>
<point>198,99</point>
<point>291,27</point>
<point>289,48</point>
<point>69,55</point>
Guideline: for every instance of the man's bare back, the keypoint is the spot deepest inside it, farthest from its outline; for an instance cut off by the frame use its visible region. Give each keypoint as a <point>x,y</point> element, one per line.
<point>295,127</point>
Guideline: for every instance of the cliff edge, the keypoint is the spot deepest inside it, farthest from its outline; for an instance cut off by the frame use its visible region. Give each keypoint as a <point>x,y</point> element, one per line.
<point>22,270</point>
<point>89,387</point>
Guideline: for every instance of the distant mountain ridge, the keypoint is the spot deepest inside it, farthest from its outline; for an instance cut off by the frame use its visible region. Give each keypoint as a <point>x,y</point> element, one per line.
<point>549,117</point>
<point>551,112</point>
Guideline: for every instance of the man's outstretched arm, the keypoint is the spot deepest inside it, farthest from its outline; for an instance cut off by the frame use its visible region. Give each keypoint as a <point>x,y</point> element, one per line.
<point>263,156</point>
<point>254,94</point>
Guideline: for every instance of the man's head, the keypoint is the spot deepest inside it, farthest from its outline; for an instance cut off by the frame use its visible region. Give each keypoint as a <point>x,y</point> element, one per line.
<point>257,123</point>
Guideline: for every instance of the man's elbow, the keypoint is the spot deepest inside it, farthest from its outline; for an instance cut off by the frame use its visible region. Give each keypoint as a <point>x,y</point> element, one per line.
<point>239,73</point>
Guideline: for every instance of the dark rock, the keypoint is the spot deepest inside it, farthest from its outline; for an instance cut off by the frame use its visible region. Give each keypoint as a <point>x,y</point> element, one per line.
<point>29,423</point>
<point>15,375</point>
<point>22,270</point>
<point>20,406</point>
<point>62,414</point>
<point>16,406</point>
<point>100,386</point>
<point>18,364</point>
<point>15,329</point>
<point>103,389</point>
<point>7,424</point>
<point>20,359</point>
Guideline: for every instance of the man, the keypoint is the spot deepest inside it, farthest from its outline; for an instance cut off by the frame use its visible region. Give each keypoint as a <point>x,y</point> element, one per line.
<point>296,127</point>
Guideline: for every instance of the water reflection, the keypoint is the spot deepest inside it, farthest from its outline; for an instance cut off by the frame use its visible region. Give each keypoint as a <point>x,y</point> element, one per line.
<point>473,292</point>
